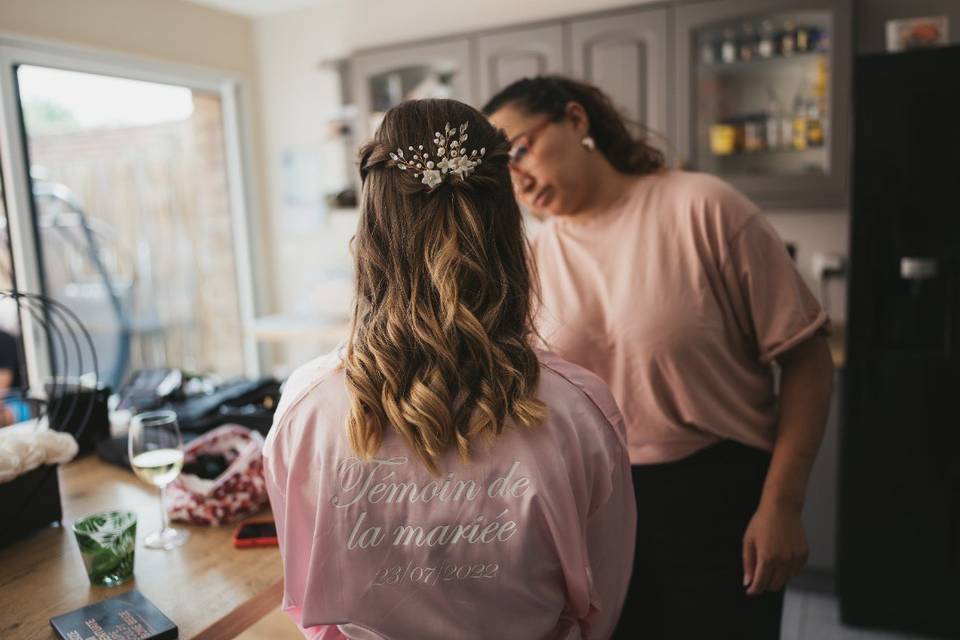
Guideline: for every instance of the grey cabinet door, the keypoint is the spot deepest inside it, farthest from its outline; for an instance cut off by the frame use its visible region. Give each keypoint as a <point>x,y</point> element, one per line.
<point>797,190</point>
<point>502,58</point>
<point>384,77</point>
<point>626,55</point>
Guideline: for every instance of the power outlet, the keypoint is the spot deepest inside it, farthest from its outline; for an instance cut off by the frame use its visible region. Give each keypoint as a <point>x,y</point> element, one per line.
<point>829,265</point>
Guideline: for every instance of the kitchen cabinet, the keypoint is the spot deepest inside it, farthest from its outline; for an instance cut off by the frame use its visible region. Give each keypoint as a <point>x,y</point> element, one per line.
<point>626,55</point>
<point>502,58</point>
<point>763,97</point>
<point>383,78</point>
<point>756,92</point>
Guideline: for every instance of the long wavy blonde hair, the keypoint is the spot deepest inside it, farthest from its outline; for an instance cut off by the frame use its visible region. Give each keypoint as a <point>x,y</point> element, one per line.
<point>439,348</point>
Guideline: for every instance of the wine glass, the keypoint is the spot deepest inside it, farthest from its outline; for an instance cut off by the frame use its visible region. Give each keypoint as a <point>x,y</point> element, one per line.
<point>156,455</point>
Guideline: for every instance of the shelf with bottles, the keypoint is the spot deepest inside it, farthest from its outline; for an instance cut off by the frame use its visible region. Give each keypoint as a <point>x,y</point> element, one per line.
<point>769,133</point>
<point>762,65</point>
<point>761,95</point>
<point>389,88</point>
<point>766,113</point>
<point>771,41</point>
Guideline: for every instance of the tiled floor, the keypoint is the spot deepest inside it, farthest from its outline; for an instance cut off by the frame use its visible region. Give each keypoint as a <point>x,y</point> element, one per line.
<point>807,615</point>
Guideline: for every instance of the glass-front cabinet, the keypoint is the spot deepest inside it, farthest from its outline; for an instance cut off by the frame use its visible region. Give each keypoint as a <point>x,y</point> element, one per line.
<point>762,97</point>
<point>385,78</point>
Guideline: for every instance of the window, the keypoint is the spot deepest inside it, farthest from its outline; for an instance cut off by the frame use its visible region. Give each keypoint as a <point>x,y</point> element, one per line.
<point>136,204</point>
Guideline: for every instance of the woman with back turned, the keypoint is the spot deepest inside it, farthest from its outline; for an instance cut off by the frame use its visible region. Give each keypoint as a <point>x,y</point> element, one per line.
<point>437,477</point>
<point>674,289</point>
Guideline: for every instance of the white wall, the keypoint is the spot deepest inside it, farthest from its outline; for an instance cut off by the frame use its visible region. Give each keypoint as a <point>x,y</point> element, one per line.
<point>298,97</point>
<point>817,231</point>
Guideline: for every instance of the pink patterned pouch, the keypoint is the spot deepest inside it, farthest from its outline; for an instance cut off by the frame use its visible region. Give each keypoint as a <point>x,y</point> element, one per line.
<point>237,492</point>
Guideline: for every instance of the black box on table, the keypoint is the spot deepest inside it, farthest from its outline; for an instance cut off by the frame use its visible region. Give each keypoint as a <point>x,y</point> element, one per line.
<point>29,502</point>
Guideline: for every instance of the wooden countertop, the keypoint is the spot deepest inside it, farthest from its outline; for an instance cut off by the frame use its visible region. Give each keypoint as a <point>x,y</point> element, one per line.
<point>207,587</point>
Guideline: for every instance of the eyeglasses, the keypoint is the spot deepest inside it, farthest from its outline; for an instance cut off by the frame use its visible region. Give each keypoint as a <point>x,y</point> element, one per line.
<point>522,144</point>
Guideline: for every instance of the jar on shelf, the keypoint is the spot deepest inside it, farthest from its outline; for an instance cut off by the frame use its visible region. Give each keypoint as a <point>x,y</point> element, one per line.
<point>748,42</point>
<point>723,139</point>
<point>767,44</point>
<point>754,132</point>
<point>788,39</point>
<point>709,49</point>
<point>728,46</point>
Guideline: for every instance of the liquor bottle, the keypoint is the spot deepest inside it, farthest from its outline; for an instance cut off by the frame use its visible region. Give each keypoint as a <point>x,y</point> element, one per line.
<point>802,39</point>
<point>807,38</point>
<point>728,46</point>
<point>817,106</point>
<point>774,115</point>
<point>814,124</point>
<point>766,46</point>
<point>799,121</point>
<point>788,39</point>
<point>708,50</point>
<point>748,42</point>
<point>786,128</point>
<point>823,41</point>
<point>754,130</point>
<point>821,79</point>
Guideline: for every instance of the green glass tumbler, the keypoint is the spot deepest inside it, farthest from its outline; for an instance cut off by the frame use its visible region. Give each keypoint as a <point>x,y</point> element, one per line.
<point>107,541</point>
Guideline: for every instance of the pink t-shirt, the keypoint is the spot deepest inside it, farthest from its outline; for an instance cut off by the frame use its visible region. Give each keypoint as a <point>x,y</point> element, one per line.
<point>532,539</point>
<point>679,298</point>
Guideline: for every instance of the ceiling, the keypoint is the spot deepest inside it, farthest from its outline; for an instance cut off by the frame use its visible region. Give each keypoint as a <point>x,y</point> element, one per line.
<point>256,8</point>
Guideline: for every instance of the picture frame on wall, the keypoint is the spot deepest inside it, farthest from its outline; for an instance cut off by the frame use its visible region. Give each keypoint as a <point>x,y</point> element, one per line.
<point>917,33</point>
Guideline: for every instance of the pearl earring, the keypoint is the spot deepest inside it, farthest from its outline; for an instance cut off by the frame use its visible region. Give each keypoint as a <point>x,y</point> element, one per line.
<point>588,143</point>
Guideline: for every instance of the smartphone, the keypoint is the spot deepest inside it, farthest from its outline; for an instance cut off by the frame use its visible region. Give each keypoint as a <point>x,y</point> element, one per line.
<point>255,534</point>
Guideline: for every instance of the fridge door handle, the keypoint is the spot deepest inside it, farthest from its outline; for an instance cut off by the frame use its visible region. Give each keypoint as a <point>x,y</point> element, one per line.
<point>914,268</point>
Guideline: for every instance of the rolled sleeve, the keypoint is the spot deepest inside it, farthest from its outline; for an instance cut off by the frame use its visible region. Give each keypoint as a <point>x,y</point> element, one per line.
<point>770,299</point>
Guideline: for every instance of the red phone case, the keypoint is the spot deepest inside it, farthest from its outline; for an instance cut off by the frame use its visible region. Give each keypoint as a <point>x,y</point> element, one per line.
<point>246,543</point>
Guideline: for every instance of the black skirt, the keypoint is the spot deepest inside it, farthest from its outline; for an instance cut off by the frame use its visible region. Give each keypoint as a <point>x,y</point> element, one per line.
<point>688,568</point>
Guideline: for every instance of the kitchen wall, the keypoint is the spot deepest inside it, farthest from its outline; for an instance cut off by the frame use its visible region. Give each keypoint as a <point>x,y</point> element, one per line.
<point>823,231</point>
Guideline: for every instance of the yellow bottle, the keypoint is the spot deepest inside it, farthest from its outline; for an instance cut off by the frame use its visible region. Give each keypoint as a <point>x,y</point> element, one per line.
<point>814,125</point>
<point>799,123</point>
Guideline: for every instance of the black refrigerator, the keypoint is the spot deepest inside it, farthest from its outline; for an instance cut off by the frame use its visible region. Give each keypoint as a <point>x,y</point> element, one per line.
<point>898,562</point>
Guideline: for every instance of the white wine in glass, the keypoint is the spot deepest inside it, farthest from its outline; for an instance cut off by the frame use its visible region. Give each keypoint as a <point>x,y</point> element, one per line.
<point>156,455</point>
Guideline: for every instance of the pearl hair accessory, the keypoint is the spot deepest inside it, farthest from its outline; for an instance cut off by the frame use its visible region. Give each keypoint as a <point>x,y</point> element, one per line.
<point>452,157</point>
<point>588,143</point>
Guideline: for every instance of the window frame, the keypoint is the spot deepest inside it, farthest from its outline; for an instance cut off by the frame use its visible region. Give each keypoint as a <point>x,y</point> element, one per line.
<point>233,90</point>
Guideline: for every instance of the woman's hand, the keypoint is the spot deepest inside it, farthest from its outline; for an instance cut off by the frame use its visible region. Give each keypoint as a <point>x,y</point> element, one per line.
<point>774,545</point>
<point>774,548</point>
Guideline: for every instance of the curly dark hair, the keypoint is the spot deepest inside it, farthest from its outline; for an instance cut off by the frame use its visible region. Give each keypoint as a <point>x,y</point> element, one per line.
<point>628,152</point>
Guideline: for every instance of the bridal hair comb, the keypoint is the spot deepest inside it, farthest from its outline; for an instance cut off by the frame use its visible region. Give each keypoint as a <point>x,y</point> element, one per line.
<point>451,157</point>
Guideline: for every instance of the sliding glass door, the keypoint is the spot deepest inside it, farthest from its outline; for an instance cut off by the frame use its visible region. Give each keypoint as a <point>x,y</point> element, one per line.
<point>137,220</point>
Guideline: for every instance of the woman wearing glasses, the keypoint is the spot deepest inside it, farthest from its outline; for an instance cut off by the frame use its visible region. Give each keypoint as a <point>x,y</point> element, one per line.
<point>674,289</point>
